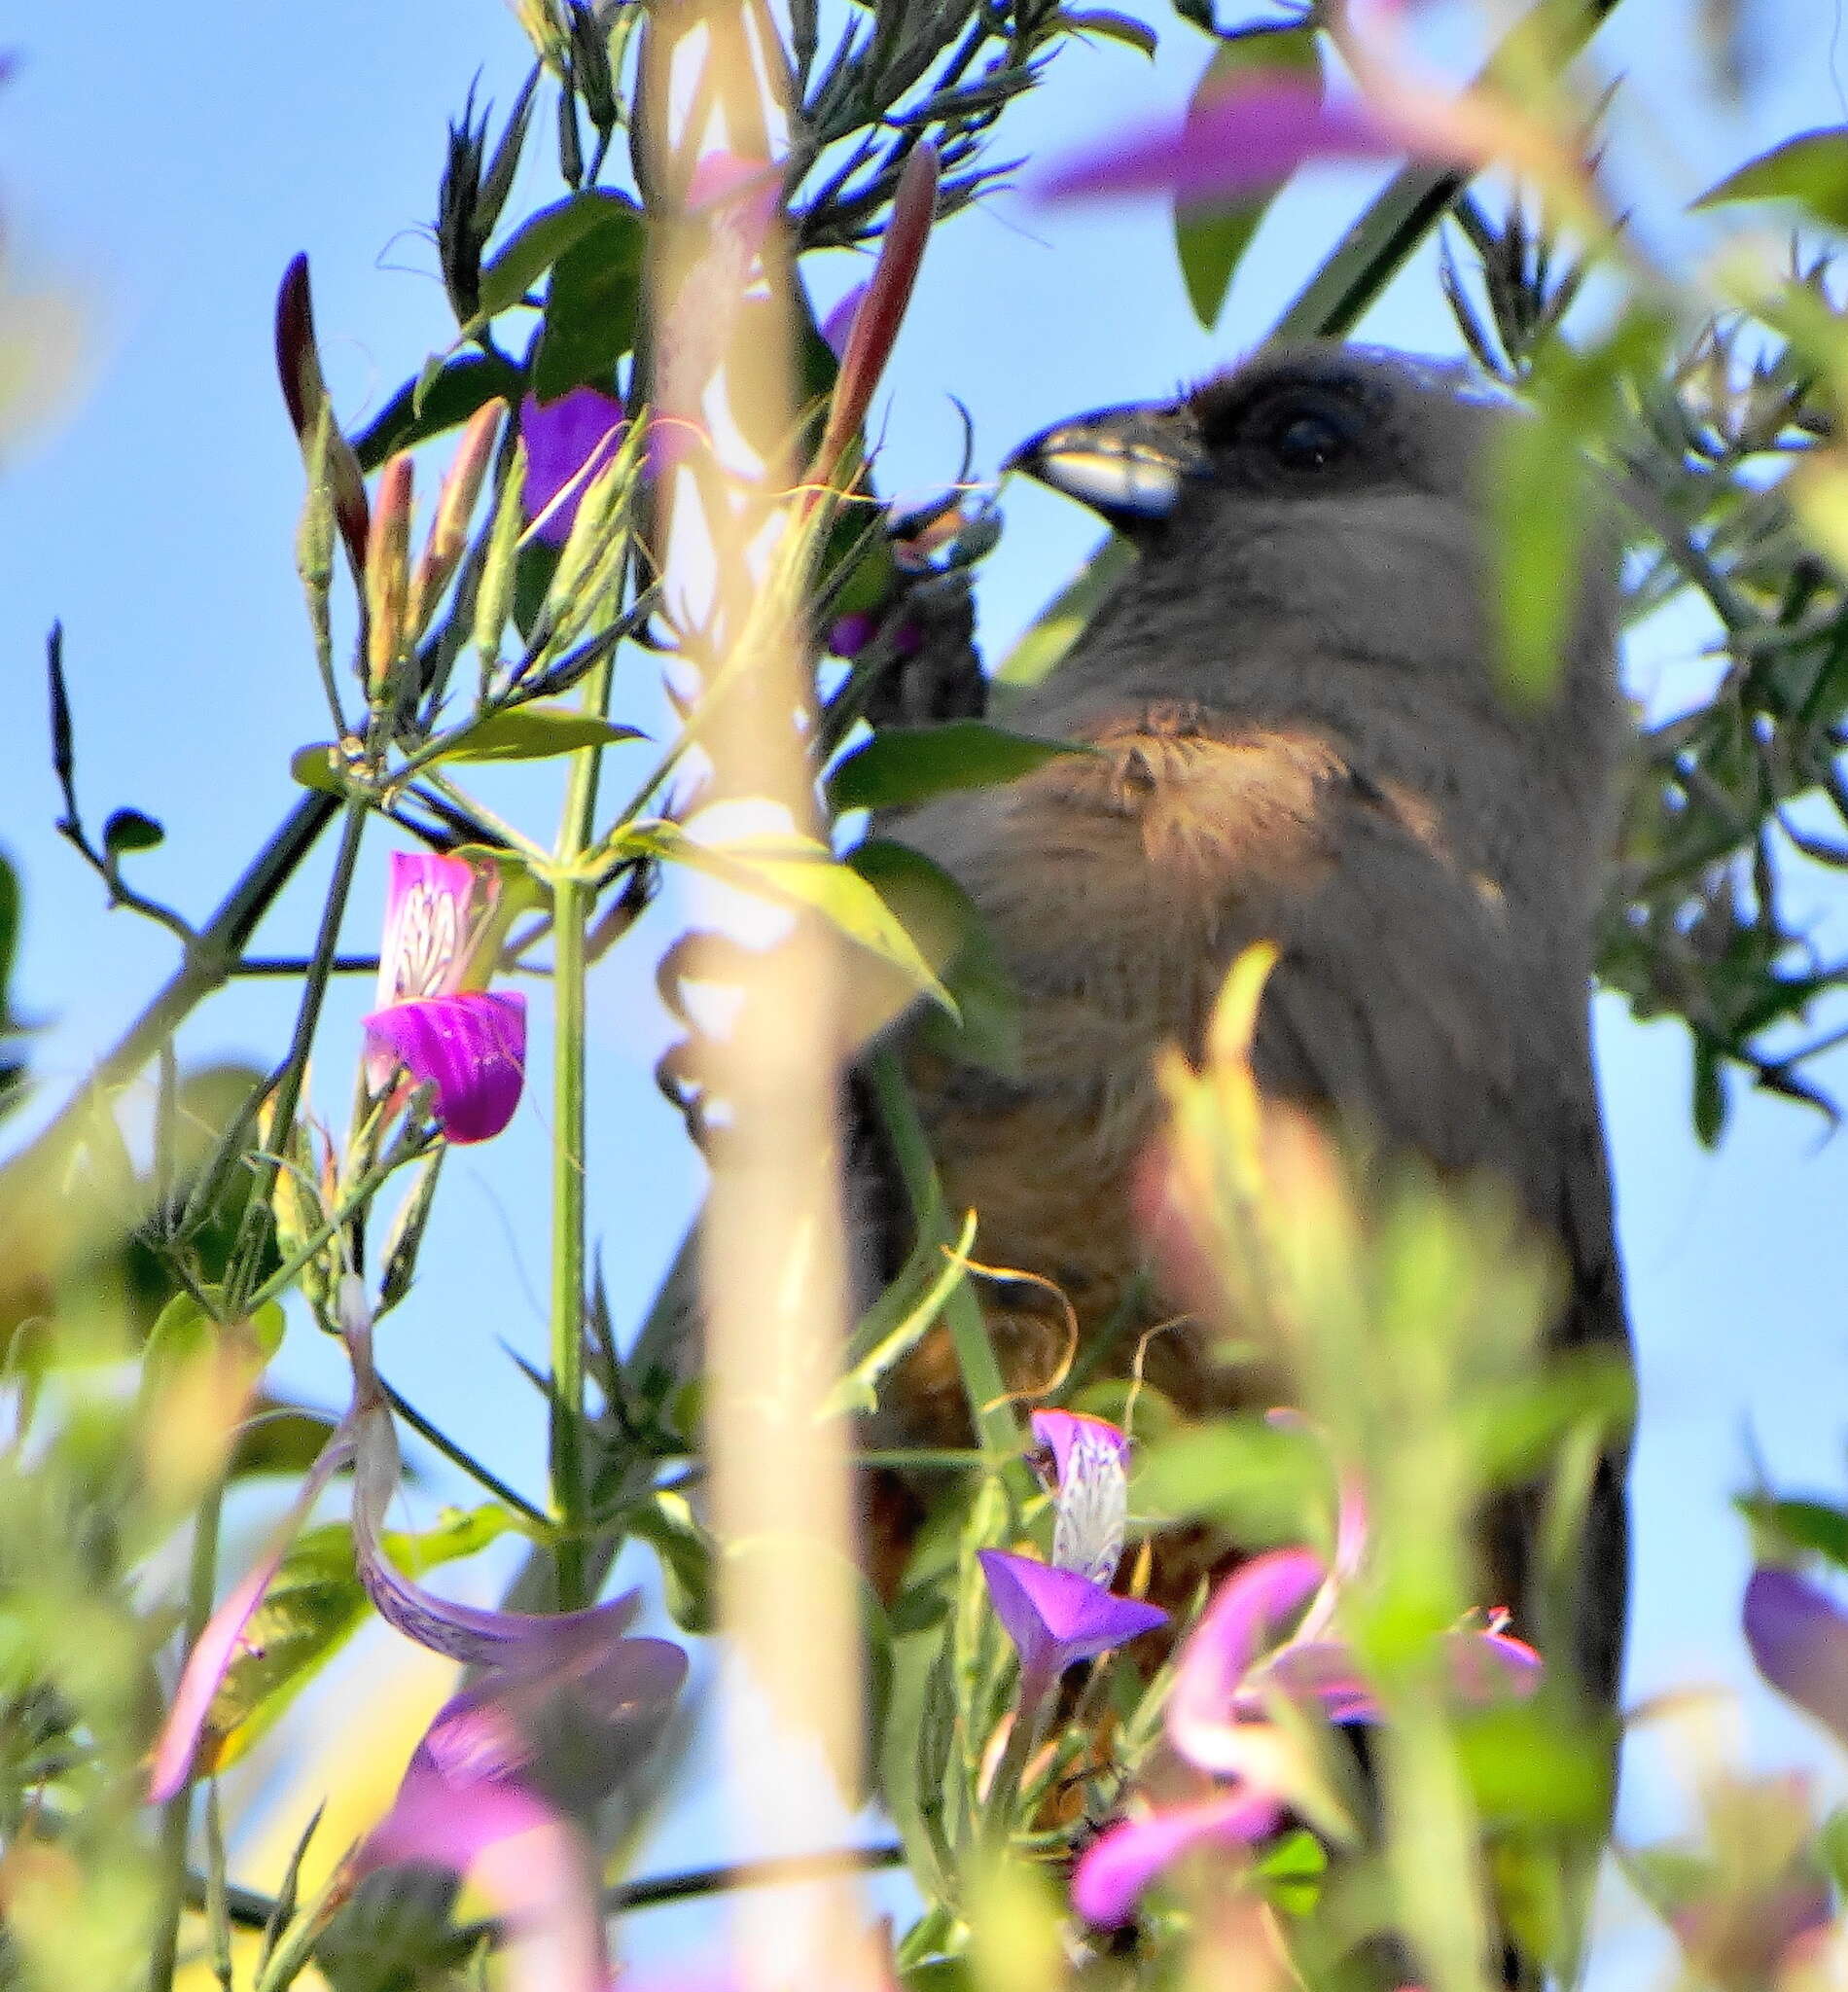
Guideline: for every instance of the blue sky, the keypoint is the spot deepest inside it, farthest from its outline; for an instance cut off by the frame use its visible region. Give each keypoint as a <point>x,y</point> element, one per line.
<point>160,167</point>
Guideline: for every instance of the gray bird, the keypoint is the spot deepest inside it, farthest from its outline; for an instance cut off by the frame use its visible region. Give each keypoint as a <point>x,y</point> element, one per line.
<point>1303,739</point>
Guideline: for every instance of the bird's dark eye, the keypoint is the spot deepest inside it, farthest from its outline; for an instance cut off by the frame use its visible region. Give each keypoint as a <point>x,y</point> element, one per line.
<point>1307,442</point>
<point>1296,429</point>
<point>1302,431</point>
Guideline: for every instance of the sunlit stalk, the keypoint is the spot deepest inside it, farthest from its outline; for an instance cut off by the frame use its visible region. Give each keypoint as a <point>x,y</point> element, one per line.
<point>175,1818</point>
<point>772,1257</point>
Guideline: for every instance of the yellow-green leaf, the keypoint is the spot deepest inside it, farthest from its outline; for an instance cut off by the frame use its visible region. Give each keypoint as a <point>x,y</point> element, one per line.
<point>1810,169</point>
<point>535,733</point>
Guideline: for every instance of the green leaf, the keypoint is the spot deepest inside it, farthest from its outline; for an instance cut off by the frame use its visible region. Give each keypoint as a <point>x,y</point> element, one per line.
<point>1209,241</point>
<point>319,767</point>
<point>1060,624</point>
<point>591,308</point>
<point>1711,1105</point>
<point>1516,1431</point>
<point>1810,169</point>
<point>899,1320</point>
<point>278,1437</point>
<point>1831,1846</point>
<point>534,733</point>
<point>127,830</point>
<point>1543,503</point>
<point>688,1561</point>
<point>801,872</point>
<point>537,246</point>
<point>1811,1525</point>
<point>1526,1766</point>
<point>1265,1484</point>
<point>1111,28</point>
<point>430,406</point>
<point>901,765</point>
<point>951,935</point>
<point>1291,1872</point>
<point>183,1331</point>
<point>313,1606</point>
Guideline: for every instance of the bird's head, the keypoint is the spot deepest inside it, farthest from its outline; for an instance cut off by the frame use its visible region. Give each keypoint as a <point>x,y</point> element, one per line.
<point>1314,539</point>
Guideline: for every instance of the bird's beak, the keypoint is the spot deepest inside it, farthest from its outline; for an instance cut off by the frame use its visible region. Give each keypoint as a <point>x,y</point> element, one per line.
<point>1126,464</point>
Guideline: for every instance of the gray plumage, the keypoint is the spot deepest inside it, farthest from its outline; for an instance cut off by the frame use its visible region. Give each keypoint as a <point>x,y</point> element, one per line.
<point>1303,739</point>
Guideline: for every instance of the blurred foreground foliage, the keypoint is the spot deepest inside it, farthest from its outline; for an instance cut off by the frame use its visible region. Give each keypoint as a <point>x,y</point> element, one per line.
<point>150,1235</point>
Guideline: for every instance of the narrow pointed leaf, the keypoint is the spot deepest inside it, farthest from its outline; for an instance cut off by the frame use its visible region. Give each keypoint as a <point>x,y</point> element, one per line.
<point>901,765</point>
<point>1810,169</point>
<point>536,732</point>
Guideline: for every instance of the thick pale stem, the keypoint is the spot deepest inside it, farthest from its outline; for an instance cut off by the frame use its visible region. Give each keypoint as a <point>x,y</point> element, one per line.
<point>773,1269</point>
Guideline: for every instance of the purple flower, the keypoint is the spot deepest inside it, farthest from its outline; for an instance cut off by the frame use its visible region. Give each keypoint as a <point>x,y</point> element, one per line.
<point>837,327</point>
<point>1262,1637</point>
<point>1091,1475</point>
<point>435,1020</point>
<point>1238,142</point>
<point>1800,1643</point>
<point>569,1705</point>
<point>848,636</point>
<point>1056,1618</point>
<point>568,441</point>
<point>503,1784</point>
<point>1063,1612</point>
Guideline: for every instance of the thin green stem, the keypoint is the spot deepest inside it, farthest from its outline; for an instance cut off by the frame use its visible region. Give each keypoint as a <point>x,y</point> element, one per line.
<point>984,1383</point>
<point>571,903</point>
<point>285,1275</point>
<point>1032,1705</point>
<point>176,1817</point>
<point>459,1456</point>
<point>209,959</point>
<point>288,1094</point>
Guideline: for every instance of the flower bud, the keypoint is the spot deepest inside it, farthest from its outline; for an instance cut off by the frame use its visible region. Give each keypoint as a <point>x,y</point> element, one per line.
<point>387,574</point>
<point>455,507</point>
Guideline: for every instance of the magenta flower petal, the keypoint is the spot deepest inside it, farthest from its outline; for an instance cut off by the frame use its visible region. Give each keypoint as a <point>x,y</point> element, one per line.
<point>568,441</point>
<point>1070,1435</point>
<point>1248,138</point>
<point>472,1048</point>
<point>459,1811</point>
<point>1056,1618</point>
<point>1492,1666</point>
<point>1116,1869</point>
<point>1800,1643</point>
<point>434,906</point>
<point>1321,1671</point>
<point>219,1643</point>
<point>1248,1615</point>
<point>849,634</point>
